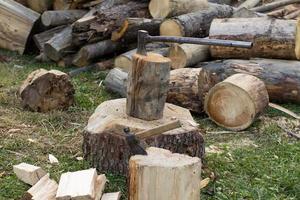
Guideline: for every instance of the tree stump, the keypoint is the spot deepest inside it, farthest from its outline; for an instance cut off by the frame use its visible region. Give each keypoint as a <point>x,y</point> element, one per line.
<point>106,147</point>
<point>44,90</point>
<point>161,175</point>
<point>147,89</point>
<point>237,101</point>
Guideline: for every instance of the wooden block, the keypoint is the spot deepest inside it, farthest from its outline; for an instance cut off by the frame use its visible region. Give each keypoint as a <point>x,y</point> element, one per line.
<point>83,185</point>
<point>44,189</point>
<point>29,174</point>
<point>111,196</point>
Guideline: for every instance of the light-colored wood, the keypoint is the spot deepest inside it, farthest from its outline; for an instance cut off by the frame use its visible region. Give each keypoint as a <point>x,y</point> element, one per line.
<point>170,8</point>
<point>44,90</point>
<point>110,118</point>
<point>249,4</point>
<point>272,38</point>
<point>57,18</point>
<point>44,189</point>
<point>40,6</point>
<point>29,174</point>
<point>16,25</point>
<point>162,175</point>
<point>237,101</point>
<point>147,89</point>
<point>187,55</point>
<point>195,24</point>
<point>83,185</point>
<point>111,196</point>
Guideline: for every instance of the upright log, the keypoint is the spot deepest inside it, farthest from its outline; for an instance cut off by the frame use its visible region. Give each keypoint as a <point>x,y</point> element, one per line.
<point>281,77</point>
<point>164,172</point>
<point>170,8</point>
<point>148,86</point>
<point>195,24</point>
<point>40,5</point>
<point>57,18</point>
<point>237,101</point>
<point>16,25</point>
<point>272,38</point>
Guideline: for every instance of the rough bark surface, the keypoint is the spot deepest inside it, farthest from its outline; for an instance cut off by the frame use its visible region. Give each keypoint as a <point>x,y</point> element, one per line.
<point>57,18</point>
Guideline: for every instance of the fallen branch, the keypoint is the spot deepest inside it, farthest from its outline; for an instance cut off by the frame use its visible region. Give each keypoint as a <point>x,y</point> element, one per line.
<point>272,6</point>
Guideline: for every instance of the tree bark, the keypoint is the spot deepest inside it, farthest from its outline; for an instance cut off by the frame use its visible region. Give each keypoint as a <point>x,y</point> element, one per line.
<point>170,8</point>
<point>273,5</point>
<point>57,18</point>
<point>280,76</point>
<point>188,55</point>
<point>272,38</point>
<point>16,25</point>
<point>127,32</point>
<point>148,86</point>
<point>249,4</point>
<point>161,170</point>
<point>40,6</point>
<point>106,148</point>
<point>236,102</point>
<point>195,24</point>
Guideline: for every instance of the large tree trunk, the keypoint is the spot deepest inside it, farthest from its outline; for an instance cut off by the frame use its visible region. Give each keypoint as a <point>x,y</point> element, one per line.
<point>40,5</point>
<point>236,102</point>
<point>105,145</point>
<point>107,21</point>
<point>16,25</point>
<point>57,18</point>
<point>282,77</point>
<point>147,89</point>
<point>195,24</point>
<point>164,173</point>
<point>272,38</point>
<point>170,8</point>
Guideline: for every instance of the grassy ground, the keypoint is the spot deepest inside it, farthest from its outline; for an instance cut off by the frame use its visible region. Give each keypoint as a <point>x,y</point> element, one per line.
<point>260,163</point>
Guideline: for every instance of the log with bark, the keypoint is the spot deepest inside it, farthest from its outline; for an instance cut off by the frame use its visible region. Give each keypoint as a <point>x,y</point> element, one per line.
<point>274,5</point>
<point>195,24</point>
<point>57,18</point>
<point>16,25</point>
<point>170,8</point>
<point>161,170</point>
<point>272,38</point>
<point>106,21</point>
<point>106,148</point>
<point>237,101</point>
<point>44,90</point>
<point>40,5</point>
<point>249,4</point>
<point>281,77</point>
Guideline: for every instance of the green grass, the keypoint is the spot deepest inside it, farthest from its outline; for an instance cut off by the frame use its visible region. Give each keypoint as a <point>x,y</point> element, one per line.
<point>259,163</point>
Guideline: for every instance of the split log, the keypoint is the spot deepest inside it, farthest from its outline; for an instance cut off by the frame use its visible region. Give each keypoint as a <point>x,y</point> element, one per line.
<point>44,90</point>
<point>29,174</point>
<point>85,185</point>
<point>111,196</point>
<point>57,18</point>
<point>164,172</point>
<point>249,4</point>
<point>40,6</point>
<point>285,11</point>
<point>44,189</point>
<point>106,147</point>
<point>273,5</point>
<point>124,61</point>
<point>236,102</point>
<point>281,77</point>
<point>170,8</point>
<point>187,55</point>
<point>90,52</point>
<point>272,38</point>
<point>16,25</point>
<point>129,29</point>
<point>183,87</point>
<point>56,47</point>
<point>43,37</point>
<point>148,86</point>
<point>107,21</point>
<point>195,24</point>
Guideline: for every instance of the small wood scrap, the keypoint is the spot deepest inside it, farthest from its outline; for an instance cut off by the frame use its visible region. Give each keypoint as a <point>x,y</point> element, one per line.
<point>85,185</point>
<point>111,196</point>
<point>44,90</point>
<point>53,159</point>
<point>29,174</point>
<point>44,189</point>
<point>148,173</point>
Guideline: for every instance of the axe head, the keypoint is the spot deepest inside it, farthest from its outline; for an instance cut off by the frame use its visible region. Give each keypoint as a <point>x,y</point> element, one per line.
<point>134,143</point>
<point>142,41</point>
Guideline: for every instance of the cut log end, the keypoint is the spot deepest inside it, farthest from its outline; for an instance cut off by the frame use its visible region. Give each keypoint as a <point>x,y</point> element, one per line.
<point>178,57</point>
<point>159,9</point>
<point>297,40</point>
<point>152,57</point>
<point>170,27</point>
<point>123,63</point>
